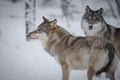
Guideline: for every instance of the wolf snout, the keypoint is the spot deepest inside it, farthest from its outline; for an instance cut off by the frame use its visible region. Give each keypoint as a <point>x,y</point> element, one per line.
<point>90,27</point>
<point>31,35</point>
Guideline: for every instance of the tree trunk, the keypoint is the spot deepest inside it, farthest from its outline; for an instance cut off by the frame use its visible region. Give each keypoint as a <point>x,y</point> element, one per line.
<point>112,10</point>
<point>30,16</point>
<point>118,6</point>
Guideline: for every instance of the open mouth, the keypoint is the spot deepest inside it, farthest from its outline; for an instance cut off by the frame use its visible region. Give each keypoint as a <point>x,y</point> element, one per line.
<point>90,27</point>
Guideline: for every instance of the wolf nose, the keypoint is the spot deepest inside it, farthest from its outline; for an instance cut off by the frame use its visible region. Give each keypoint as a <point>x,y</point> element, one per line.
<point>28,36</point>
<point>90,27</point>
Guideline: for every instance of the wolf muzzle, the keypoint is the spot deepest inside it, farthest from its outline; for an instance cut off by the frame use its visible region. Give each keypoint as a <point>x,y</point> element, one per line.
<point>29,35</point>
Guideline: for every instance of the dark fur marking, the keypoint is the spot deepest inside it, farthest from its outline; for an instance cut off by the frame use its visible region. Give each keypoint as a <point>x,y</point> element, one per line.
<point>67,40</point>
<point>109,29</point>
<point>75,41</point>
<point>108,33</point>
<point>117,32</point>
<point>111,53</point>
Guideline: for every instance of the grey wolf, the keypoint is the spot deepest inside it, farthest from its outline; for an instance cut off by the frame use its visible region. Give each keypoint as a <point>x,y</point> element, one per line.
<point>76,52</point>
<point>94,24</point>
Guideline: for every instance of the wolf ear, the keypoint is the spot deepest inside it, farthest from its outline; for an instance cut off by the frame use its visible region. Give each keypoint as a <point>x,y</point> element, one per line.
<point>45,19</point>
<point>53,23</point>
<point>100,11</point>
<point>87,9</point>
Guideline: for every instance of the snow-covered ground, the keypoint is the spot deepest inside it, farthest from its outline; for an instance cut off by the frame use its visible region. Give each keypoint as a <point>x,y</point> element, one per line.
<point>26,60</point>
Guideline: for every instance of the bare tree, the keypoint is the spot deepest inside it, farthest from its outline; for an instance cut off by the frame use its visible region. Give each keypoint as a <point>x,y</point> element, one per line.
<point>30,16</point>
<point>0,32</point>
<point>46,2</point>
<point>15,1</point>
<point>118,6</point>
<point>65,4</point>
<point>68,10</point>
<point>112,9</point>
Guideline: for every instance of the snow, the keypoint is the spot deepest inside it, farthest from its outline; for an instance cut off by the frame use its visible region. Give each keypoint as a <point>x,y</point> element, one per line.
<point>26,60</point>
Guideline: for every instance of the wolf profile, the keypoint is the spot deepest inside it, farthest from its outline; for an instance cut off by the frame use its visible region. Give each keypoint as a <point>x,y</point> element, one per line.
<point>76,52</point>
<point>94,24</point>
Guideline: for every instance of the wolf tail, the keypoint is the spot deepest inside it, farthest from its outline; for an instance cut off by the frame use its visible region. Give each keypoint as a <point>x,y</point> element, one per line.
<point>111,54</point>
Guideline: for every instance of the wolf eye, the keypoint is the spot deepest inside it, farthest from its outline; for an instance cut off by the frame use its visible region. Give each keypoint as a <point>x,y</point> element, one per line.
<point>87,19</point>
<point>90,17</point>
<point>38,29</point>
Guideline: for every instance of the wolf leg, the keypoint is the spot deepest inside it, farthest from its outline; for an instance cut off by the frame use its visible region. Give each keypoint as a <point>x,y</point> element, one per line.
<point>65,72</point>
<point>117,47</point>
<point>90,72</point>
<point>111,75</point>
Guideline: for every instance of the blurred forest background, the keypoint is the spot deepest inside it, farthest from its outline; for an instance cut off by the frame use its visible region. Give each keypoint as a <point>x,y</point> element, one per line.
<point>72,9</point>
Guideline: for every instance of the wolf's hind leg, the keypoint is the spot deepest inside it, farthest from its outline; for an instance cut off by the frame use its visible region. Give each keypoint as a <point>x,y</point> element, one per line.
<point>111,75</point>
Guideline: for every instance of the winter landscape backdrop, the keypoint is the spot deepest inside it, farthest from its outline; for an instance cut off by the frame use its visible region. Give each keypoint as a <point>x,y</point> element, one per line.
<point>26,60</point>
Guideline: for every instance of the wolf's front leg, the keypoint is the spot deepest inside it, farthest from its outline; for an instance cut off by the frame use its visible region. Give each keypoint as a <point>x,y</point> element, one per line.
<point>90,72</point>
<point>65,72</point>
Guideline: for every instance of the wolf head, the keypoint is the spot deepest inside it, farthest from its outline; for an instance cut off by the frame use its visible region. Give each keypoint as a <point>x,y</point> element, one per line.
<point>43,31</point>
<point>45,28</point>
<point>92,21</point>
